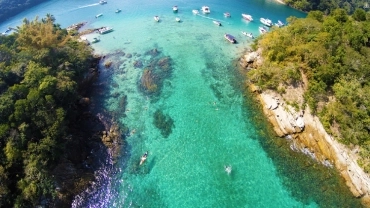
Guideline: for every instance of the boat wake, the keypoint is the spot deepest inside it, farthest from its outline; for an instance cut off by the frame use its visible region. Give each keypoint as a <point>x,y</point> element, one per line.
<point>212,18</point>
<point>85,6</point>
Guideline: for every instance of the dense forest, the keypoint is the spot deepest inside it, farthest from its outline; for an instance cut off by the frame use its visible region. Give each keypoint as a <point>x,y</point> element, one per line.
<point>9,8</point>
<point>332,53</point>
<point>41,67</point>
<point>328,5</point>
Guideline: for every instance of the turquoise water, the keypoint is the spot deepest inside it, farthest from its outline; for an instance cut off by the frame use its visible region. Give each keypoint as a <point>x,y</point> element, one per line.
<point>199,89</point>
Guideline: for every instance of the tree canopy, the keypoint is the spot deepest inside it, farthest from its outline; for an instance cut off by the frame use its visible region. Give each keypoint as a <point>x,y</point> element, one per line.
<point>40,70</point>
<point>327,6</point>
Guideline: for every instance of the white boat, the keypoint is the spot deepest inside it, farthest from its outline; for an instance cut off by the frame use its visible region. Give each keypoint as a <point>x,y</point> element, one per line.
<point>279,23</point>
<point>217,23</point>
<point>227,14</point>
<point>98,15</point>
<point>102,2</point>
<point>248,34</point>
<point>247,17</point>
<point>175,9</point>
<point>262,30</point>
<point>178,19</point>
<point>143,158</point>
<point>266,21</point>
<point>195,11</point>
<point>118,11</point>
<point>206,10</point>
<point>105,30</point>
<point>230,38</point>
<point>156,18</point>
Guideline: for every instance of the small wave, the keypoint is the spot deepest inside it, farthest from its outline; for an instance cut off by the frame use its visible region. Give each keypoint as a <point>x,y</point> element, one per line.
<point>81,7</point>
<point>90,5</point>
<point>211,18</point>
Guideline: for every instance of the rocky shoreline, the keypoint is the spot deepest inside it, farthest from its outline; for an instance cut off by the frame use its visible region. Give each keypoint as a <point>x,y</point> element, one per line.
<point>94,142</point>
<point>307,132</point>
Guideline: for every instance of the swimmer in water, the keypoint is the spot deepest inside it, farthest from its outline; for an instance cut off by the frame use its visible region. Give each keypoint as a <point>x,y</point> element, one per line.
<point>228,169</point>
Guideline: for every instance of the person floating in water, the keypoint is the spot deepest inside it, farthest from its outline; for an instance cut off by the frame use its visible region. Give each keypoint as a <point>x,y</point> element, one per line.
<point>143,158</point>
<point>228,169</point>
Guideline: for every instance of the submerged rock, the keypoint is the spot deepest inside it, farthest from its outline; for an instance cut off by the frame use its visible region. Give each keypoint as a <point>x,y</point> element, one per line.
<point>138,64</point>
<point>154,52</point>
<point>147,82</point>
<point>163,122</point>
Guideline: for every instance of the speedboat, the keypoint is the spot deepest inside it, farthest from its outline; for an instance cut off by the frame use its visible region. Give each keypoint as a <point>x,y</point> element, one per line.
<point>195,11</point>
<point>266,22</point>
<point>230,38</point>
<point>98,15</point>
<point>143,158</point>
<point>217,22</point>
<point>105,30</point>
<point>206,10</point>
<point>102,2</point>
<point>118,11</point>
<point>156,18</point>
<point>279,23</point>
<point>247,34</point>
<point>178,19</point>
<point>227,14</point>
<point>247,17</point>
<point>262,30</point>
<point>175,9</point>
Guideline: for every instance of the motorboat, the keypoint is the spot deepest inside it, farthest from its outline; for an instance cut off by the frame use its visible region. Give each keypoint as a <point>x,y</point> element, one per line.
<point>105,30</point>
<point>178,19</point>
<point>118,10</point>
<point>206,10</point>
<point>262,30</point>
<point>230,38</point>
<point>266,22</point>
<point>175,9</point>
<point>195,11</point>
<point>156,18</point>
<point>98,15</point>
<point>227,14</point>
<point>279,23</point>
<point>102,2</point>
<point>143,158</point>
<point>217,23</point>
<point>248,34</point>
<point>247,17</point>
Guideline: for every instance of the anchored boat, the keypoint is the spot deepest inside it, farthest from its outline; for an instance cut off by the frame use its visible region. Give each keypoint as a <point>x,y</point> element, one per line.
<point>230,38</point>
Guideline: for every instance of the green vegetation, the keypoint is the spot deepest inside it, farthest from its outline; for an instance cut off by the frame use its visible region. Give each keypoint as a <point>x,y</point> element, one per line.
<point>327,6</point>
<point>40,68</point>
<point>332,53</point>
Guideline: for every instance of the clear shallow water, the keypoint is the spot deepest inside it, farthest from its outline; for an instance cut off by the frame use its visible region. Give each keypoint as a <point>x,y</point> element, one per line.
<point>214,124</point>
